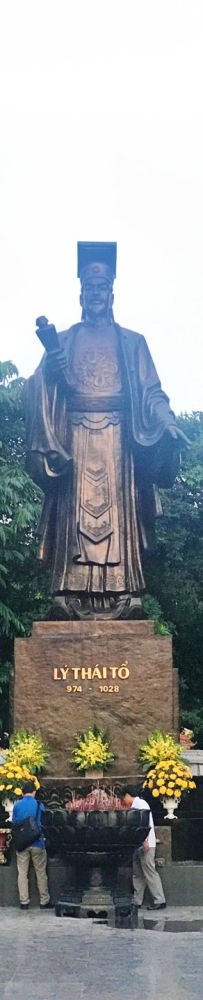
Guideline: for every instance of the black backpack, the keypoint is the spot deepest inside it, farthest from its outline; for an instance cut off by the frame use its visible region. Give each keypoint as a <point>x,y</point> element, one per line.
<point>27,831</point>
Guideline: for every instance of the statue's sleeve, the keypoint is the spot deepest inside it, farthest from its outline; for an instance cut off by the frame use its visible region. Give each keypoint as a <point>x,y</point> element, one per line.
<point>156,408</point>
<point>160,452</point>
<point>46,455</point>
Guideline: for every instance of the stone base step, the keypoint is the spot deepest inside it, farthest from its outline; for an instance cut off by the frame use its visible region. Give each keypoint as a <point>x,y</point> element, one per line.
<point>123,914</point>
<point>175,919</point>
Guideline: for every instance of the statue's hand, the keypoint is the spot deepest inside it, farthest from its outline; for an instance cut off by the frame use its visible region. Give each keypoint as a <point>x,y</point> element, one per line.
<point>55,363</point>
<point>177,434</point>
<point>55,462</point>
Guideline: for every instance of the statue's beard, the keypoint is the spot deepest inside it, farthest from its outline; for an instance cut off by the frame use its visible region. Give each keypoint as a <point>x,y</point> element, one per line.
<point>109,316</point>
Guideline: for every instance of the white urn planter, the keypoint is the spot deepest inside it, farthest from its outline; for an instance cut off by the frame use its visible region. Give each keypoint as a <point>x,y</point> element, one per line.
<point>8,806</point>
<point>170,805</point>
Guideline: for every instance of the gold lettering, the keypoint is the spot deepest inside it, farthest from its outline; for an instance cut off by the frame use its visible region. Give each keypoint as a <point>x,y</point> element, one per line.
<point>96,673</point>
<point>113,671</point>
<point>64,673</point>
<point>123,672</point>
<point>87,674</point>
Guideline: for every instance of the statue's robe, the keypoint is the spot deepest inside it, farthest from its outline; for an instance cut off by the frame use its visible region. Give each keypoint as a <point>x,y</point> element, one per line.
<point>98,445</point>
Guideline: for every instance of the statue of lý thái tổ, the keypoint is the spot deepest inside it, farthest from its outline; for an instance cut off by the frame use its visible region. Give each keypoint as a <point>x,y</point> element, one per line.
<point>101,438</point>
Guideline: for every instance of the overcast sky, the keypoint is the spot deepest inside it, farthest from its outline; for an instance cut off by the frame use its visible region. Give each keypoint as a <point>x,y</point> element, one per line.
<point>101,139</point>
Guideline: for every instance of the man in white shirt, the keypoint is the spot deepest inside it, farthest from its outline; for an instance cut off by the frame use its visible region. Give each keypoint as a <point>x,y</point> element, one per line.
<point>144,871</point>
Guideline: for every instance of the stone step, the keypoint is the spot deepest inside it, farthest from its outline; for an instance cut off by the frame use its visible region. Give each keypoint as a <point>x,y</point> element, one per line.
<point>175,919</point>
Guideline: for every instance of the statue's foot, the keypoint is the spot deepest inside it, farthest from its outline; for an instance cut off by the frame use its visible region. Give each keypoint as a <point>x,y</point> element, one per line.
<point>127,607</point>
<point>70,607</point>
<point>131,608</point>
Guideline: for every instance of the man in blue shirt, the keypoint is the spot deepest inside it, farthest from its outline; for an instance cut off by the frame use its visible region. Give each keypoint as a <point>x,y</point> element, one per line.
<point>36,853</point>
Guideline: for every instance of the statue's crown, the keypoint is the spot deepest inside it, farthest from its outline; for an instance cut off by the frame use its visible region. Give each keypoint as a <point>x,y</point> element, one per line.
<point>97,259</point>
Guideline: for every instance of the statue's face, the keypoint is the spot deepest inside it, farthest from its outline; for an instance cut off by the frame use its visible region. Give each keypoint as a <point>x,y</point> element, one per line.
<point>96,298</point>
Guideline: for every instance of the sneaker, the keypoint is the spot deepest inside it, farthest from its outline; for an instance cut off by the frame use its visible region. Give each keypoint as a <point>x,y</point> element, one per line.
<point>47,906</point>
<point>24,906</point>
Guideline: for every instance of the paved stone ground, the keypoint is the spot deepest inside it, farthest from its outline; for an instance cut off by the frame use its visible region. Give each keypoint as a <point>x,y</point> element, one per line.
<point>43,957</point>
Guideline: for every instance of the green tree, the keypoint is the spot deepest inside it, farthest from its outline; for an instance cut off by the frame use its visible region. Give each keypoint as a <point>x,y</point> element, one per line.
<point>22,582</point>
<point>174,572</point>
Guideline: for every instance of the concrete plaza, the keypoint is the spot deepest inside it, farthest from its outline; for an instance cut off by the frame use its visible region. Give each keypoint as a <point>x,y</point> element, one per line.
<point>47,958</point>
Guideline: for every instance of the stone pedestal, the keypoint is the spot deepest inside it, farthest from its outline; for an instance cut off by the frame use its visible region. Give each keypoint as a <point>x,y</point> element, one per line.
<point>117,675</point>
<point>194,760</point>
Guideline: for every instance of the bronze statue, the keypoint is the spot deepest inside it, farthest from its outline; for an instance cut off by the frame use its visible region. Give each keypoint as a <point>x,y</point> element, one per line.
<point>100,438</point>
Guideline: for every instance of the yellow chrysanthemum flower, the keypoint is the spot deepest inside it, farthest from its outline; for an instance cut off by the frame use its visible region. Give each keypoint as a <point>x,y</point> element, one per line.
<point>170,792</point>
<point>171,784</point>
<point>155,793</point>
<point>8,787</point>
<point>192,784</point>
<point>17,791</point>
<point>163,790</point>
<point>2,788</point>
<point>177,793</point>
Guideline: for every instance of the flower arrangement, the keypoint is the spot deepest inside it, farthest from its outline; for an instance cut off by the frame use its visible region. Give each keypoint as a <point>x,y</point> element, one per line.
<point>92,750</point>
<point>159,746</point>
<point>169,777</point>
<point>12,779</point>
<point>27,750</point>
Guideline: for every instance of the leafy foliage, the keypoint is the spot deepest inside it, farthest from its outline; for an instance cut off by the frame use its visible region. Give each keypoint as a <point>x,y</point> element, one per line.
<point>194,719</point>
<point>174,572</point>
<point>23,595</point>
<point>153,610</point>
